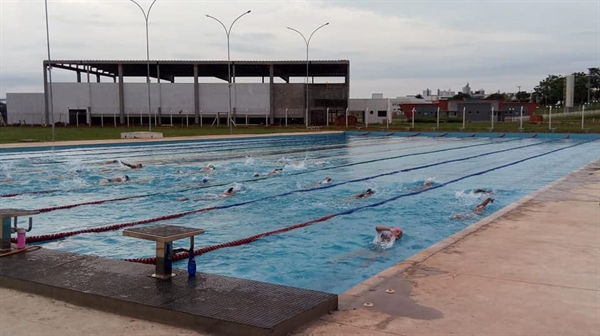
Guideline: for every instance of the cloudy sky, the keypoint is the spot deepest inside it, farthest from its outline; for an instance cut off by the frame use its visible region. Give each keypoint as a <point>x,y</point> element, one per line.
<point>395,47</point>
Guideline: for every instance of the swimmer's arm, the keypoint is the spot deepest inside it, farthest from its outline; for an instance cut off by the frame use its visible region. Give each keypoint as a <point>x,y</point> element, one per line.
<point>380,228</point>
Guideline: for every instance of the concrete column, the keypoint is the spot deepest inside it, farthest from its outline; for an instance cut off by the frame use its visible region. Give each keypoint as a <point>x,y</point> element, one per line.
<point>78,76</point>
<point>97,78</point>
<point>234,107</point>
<point>272,92</point>
<point>159,94</point>
<point>114,79</point>
<point>196,95</point>
<point>46,109</point>
<point>121,95</point>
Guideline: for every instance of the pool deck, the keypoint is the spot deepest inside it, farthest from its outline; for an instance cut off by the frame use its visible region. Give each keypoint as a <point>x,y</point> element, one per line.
<point>532,268</point>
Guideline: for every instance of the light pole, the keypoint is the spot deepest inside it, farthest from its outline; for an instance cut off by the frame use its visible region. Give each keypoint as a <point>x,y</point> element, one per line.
<point>49,71</point>
<point>228,33</point>
<point>146,17</point>
<point>307,44</point>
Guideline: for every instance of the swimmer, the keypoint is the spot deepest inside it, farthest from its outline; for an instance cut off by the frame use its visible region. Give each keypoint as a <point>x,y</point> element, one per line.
<point>256,175</point>
<point>478,209</point>
<point>481,191</point>
<point>425,185</point>
<point>325,181</point>
<point>228,193</point>
<point>115,180</point>
<point>366,194</point>
<point>132,166</point>
<point>208,168</point>
<point>320,164</point>
<point>275,171</point>
<point>181,199</point>
<point>111,162</point>
<point>386,236</point>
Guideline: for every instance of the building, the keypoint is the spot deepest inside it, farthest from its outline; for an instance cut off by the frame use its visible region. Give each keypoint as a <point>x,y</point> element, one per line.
<point>122,101</point>
<point>466,89</point>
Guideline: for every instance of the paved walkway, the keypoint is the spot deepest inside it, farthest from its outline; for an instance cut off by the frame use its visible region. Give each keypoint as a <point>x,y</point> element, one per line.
<point>531,269</point>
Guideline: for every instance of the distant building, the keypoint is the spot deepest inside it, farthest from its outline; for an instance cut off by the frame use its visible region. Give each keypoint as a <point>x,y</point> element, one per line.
<point>377,96</point>
<point>466,89</point>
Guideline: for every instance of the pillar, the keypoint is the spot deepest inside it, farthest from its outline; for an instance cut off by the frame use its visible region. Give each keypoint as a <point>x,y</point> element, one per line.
<point>46,109</point>
<point>196,95</point>
<point>97,78</point>
<point>272,92</point>
<point>159,94</point>
<point>234,94</point>
<point>78,76</point>
<point>121,95</point>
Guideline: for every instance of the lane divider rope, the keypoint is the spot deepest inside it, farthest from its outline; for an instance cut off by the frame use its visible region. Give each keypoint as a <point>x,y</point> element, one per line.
<point>60,235</point>
<point>184,255</point>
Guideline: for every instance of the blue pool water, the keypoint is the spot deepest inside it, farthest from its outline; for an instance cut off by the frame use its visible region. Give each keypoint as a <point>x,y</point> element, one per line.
<point>332,255</point>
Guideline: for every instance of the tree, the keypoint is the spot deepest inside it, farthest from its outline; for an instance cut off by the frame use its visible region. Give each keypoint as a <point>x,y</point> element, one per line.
<point>522,96</point>
<point>461,95</point>
<point>496,96</point>
<point>552,89</point>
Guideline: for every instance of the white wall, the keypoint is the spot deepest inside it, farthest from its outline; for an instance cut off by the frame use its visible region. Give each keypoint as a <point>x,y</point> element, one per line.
<point>375,105</point>
<point>177,97</point>
<point>255,97</point>
<point>25,108</point>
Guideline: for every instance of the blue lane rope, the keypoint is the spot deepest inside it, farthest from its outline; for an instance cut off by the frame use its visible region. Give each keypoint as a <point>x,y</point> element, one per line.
<point>374,176</point>
<point>459,179</point>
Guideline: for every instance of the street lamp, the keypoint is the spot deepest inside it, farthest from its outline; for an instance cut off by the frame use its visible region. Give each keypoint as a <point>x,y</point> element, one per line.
<point>49,71</point>
<point>146,17</point>
<point>228,33</point>
<point>307,44</point>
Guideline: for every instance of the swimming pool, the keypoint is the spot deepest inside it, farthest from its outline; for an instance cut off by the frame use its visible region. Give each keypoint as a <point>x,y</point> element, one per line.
<point>330,255</point>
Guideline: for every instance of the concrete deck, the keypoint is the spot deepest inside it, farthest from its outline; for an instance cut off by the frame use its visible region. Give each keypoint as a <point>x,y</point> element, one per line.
<point>532,268</point>
<point>207,302</point>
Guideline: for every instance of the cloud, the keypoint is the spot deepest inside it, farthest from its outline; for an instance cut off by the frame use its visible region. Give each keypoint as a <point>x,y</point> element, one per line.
<point>393,46</point>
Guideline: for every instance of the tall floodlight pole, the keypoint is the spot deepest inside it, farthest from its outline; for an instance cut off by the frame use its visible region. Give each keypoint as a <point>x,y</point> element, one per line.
<point>307,44</point>
<point>228,33</point>
<point>49,71</point>
<point>146,17</point>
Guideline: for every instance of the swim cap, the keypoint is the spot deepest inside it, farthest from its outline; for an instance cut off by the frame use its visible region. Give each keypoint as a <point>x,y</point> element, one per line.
<point>204,180</point>
<point>126,178</point>
<point>397,229</point>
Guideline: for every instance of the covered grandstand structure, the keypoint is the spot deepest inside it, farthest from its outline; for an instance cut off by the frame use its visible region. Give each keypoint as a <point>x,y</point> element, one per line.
<point>270,99</point>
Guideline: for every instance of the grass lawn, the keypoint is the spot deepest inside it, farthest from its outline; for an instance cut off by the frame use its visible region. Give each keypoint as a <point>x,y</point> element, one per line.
<point>12,134</point>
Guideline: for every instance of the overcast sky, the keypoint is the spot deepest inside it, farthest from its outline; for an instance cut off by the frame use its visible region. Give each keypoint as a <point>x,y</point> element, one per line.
<point>394,47</point>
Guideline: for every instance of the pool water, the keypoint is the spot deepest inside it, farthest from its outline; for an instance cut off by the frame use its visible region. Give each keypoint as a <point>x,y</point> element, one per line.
<point>332,255</point>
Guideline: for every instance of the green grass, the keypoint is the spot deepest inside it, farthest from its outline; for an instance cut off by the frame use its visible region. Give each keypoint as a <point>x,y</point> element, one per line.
<point>17,134</point>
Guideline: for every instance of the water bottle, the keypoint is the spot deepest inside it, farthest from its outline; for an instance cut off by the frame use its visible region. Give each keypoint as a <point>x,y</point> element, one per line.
<point>191,264</point>
<point>21,238</point>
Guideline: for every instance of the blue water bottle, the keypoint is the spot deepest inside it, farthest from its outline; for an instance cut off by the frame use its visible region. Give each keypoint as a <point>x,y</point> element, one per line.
<point>191,264</point>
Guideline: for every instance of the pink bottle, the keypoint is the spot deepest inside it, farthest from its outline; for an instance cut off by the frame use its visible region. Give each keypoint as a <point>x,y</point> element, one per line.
<point>21,238</point>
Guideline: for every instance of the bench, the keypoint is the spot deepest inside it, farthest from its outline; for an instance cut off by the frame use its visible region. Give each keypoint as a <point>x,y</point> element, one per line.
<point>434,128</point>
<point>461,129</point>
<point>490,129</point>
<point>553,130</point>
<point>408,128</point>
<point>164,236</point>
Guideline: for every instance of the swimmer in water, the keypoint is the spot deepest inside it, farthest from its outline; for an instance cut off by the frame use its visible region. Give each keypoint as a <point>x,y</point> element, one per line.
<point>275,171</point>
<point>325,181</point>
<point>208,168</point>
<point>229,192</point>
<point>111,162</point>
<point>478,209</point>
<point>387,236</point>
<point>366,194</point>
<point>115,180</point>
<point>132,166</point>
<point>425,185</point>
<point>482,191</point>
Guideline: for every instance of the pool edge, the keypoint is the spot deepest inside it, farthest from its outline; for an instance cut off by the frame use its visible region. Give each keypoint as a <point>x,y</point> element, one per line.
<point>397,269</point>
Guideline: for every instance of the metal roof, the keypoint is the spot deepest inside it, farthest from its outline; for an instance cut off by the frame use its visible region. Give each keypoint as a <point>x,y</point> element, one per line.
<point>206,68</point>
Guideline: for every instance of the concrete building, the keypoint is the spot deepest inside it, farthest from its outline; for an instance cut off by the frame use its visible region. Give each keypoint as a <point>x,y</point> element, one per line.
<point>371,111</point>
<point>125,102</point>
